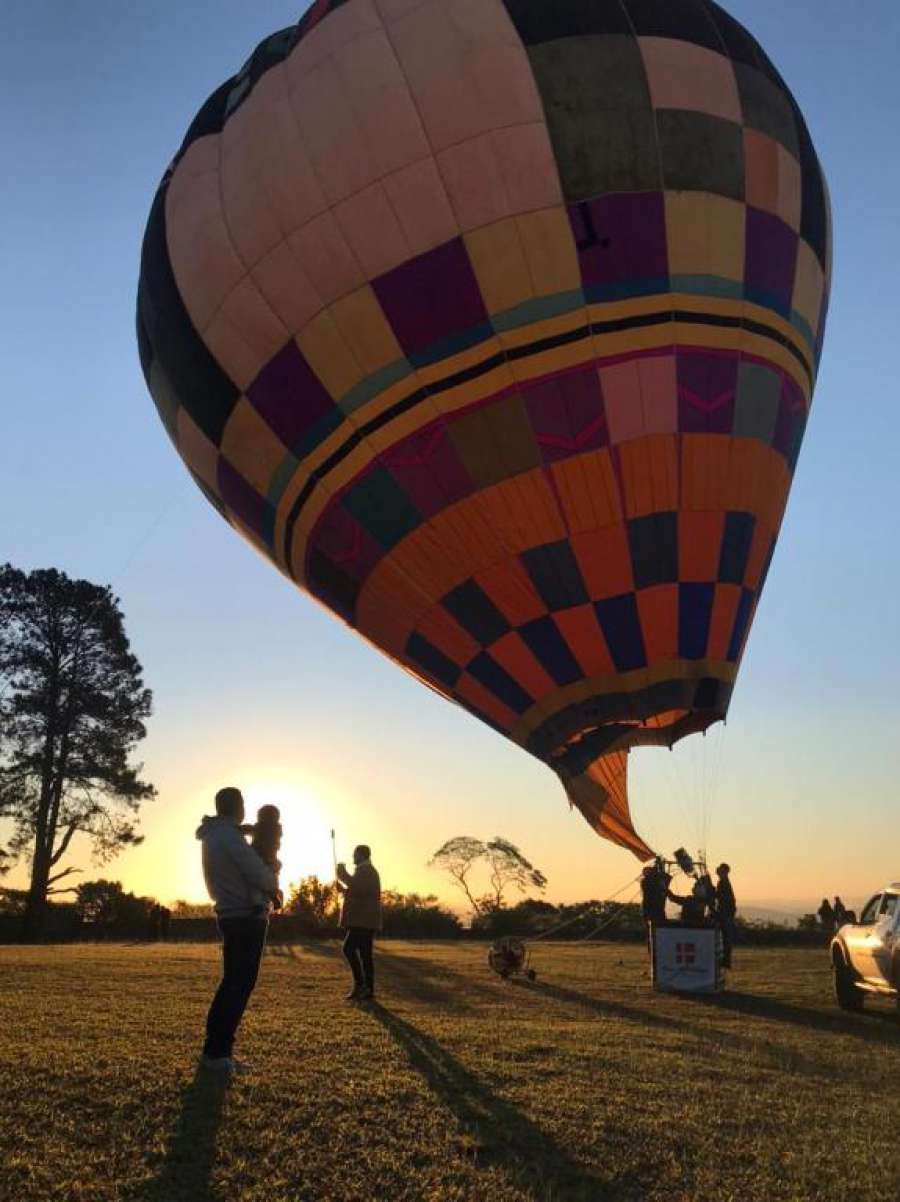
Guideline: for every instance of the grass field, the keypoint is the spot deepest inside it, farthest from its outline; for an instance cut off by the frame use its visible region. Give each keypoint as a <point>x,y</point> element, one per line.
<point>584,1085</point>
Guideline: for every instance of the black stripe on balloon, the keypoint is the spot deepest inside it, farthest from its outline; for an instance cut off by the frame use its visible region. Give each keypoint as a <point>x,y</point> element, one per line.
<point>168,334</point>
<point>639,321</point>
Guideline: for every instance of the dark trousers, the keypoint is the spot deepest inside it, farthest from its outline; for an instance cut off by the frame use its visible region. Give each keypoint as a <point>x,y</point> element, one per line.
<point>358,950</point>
<point>726,926</point>
<point>243,940</point>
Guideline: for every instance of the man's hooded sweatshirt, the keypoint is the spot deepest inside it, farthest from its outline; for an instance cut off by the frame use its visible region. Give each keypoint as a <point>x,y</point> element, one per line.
<point>237,880</point>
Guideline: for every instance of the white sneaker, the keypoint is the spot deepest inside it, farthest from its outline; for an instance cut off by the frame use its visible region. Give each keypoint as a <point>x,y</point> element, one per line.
<point>240,1068</point>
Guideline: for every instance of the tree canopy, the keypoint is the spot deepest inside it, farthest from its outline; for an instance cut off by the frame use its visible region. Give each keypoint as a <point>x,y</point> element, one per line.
<point>72,710</point>
<point>507,868</point>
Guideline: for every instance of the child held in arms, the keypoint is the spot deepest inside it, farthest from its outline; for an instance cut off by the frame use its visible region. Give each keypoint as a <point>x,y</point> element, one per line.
<point>265,839</point>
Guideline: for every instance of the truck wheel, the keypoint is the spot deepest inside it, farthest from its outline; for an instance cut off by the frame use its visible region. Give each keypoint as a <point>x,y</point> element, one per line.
<point>847,993</point>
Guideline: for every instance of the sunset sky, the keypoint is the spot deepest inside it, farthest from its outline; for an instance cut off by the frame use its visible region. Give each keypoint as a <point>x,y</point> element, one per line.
<point>256,685</point>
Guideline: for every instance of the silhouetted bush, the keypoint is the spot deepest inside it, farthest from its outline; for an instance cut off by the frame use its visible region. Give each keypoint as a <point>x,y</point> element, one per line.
<point>108,912</point>
<point>412,916</point>
<point>314,906</point>
<point>63,922</point>
<point>533,918</point>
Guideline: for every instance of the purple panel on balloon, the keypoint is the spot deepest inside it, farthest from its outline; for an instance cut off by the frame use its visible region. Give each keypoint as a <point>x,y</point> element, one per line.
<point>771,259</point>
<point>706,390</point>
<point>567,415</point>
<point>622,238</point>
<point>244,501</point>
<point>791,420</point>
<point>290,396</point>
<point>340,536</point>
<point>431,298</point>
<point>429,470</point>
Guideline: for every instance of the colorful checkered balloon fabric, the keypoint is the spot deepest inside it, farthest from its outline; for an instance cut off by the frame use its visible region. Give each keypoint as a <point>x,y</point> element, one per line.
<point>494,324</point>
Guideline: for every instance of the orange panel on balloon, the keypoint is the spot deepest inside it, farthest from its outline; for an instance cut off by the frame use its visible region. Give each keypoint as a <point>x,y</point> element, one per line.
<point>508,586</point>
<point>724,613</point>
<point>759,553</point>
<point>705,468</point>
<point>699,544</point>
<point>658,607</point>
<point>521,664</point>
<point>605,561</point>
<point>447,635</point>
<point>588,492</point>
<point>650,474</point>
<point>582,632</point>
<point>469,690</point>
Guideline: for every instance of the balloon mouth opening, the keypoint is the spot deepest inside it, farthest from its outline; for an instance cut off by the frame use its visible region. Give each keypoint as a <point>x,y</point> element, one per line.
<point>658,714</point>
<point>592,761</point>
<point>662,730</point>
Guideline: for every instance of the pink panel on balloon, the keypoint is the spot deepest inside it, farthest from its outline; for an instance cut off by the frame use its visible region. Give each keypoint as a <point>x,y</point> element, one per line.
<point>418,198</point>
<point>685,76</point>
<point>203,257</point>
<point>373,231</point>
<point>327,257</point>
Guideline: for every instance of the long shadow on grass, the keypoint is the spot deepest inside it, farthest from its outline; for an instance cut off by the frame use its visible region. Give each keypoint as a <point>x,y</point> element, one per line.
<point>425,980</point>
<point>328,950</point>
<point>781,1057</point>
<point>415,976</point>
<point>877,1027</point>
<point>282,951</point>
<point>409,975</point>
<point>186,1171</point>
<point>499,1135</point>
<point>451,982</point>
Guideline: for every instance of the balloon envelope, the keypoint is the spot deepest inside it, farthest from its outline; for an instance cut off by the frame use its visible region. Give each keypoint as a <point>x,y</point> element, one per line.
<point>494,325</point>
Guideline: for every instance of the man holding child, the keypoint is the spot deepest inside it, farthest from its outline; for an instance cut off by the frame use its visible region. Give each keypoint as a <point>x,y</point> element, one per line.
<point>243,887</point>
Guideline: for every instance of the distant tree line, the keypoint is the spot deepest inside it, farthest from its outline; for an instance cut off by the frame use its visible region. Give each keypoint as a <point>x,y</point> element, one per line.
<point>105,910</point>
<point>315,907</point>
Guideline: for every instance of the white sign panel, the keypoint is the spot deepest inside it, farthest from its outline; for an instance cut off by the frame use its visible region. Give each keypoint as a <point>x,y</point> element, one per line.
<point>686,959</point>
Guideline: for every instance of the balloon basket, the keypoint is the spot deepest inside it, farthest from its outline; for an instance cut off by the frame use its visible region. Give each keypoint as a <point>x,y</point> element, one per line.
<point>686,959</point>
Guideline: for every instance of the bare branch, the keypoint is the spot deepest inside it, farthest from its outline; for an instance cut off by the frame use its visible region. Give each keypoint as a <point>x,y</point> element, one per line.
<point>64,845</point>
<point>59,876</point>
<point>457,858</point>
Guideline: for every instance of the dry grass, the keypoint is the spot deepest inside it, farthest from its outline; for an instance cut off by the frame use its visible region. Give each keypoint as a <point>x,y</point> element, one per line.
<point>583,1086</point>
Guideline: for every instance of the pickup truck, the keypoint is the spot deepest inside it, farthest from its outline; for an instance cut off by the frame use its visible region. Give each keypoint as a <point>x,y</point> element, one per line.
<point>865,955</point>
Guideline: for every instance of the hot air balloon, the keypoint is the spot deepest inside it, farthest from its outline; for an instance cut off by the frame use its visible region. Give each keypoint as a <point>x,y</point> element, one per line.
<point>494,325</point>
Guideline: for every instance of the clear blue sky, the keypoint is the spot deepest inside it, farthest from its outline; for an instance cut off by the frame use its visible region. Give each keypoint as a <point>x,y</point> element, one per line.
<point>256,684</point>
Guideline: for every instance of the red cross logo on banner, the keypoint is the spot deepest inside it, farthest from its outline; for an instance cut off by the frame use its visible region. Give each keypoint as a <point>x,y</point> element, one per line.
<point>685,953</point>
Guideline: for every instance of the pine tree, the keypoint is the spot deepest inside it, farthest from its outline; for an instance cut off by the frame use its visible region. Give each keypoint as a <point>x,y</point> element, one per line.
<point>72,710</point>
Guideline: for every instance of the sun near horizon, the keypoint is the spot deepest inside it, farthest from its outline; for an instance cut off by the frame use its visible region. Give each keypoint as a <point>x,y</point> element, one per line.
<point>685,797</point>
